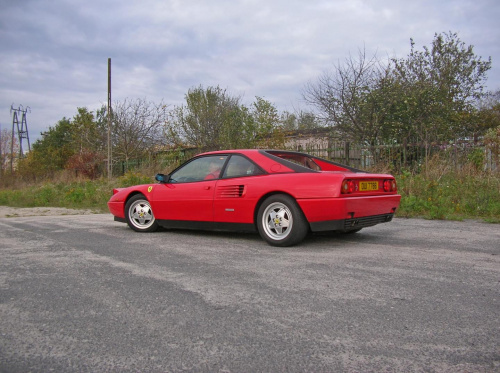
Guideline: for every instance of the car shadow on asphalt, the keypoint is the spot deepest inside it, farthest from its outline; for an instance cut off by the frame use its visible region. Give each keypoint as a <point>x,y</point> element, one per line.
<point>318,240</point>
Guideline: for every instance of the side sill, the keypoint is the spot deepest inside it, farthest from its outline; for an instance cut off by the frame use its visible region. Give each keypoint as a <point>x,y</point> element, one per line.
<point>206,225</point>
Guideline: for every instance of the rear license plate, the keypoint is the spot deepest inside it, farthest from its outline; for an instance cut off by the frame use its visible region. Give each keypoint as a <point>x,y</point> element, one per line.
<point>365,186</point>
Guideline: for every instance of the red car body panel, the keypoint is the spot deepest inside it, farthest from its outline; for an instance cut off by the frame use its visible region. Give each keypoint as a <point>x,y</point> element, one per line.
<point>236,200</point>
<point>186,201</point>
<point>333,209</point>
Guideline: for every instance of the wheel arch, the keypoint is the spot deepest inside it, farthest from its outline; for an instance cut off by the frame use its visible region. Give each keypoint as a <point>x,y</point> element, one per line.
<point>130,195</point>
<point>276,192</point>
<point>139,214</point>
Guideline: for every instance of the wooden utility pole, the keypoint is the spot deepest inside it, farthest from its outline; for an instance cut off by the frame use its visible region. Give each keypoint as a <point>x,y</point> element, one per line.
<point>1,154</point>
<point>110,168</point>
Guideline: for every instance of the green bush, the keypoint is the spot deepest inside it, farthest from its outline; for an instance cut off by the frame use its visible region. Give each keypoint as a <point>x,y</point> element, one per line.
<point>133,178</point>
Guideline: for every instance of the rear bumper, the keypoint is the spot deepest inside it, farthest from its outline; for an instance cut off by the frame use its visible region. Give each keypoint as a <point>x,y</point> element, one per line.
<point>350,224</point>
<point>349,212</point>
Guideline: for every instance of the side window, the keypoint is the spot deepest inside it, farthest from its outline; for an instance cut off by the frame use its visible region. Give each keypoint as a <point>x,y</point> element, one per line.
<point>204,168</point>
<point>240,166</point>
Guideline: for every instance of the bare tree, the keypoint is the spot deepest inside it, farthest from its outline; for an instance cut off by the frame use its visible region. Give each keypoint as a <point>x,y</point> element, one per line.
<point>5,150</point>
<point>351,98</point>
<point>138,127</point>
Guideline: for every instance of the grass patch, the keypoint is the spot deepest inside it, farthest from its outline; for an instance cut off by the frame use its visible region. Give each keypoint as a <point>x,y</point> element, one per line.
<point>76,195</point>
<point>83,194</point>
<point>450,195</point>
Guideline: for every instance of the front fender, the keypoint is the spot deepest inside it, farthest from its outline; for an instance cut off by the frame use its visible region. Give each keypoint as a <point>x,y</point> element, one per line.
<point>116,203</point>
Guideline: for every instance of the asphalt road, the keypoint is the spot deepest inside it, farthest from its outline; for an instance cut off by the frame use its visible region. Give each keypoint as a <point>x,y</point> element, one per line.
<point>87,294</point>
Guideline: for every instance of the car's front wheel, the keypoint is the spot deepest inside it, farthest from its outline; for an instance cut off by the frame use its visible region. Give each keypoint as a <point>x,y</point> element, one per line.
<point>280,221</point>
<point>139,214</point>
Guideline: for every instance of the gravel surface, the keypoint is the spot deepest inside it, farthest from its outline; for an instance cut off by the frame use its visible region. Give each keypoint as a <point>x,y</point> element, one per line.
<point>16,212</point>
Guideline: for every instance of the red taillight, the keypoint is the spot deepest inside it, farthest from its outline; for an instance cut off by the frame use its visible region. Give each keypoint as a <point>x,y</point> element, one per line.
<point>390,186</point>
<point>345,187</point>
<point>349,186</point>
<point>387,185</point>
<point>353,186</point>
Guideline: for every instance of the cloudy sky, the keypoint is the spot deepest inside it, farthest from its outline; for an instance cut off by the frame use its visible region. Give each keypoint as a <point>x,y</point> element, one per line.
<point>54,52</point>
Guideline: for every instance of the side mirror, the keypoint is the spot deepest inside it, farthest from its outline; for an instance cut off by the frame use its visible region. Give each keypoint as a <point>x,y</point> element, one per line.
<point>162,179</point>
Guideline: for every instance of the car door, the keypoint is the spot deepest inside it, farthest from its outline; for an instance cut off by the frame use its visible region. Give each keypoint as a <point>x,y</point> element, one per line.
<point>189,194</point>
<point>237,191</point>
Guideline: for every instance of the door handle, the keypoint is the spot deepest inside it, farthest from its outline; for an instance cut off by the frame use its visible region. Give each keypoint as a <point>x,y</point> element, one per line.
<point>207,187</point>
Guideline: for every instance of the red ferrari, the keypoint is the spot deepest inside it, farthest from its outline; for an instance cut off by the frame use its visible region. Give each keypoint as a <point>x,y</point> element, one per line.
<point>281,194</point>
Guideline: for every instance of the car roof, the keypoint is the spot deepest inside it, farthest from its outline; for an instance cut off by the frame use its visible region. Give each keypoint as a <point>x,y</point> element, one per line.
<point>279,161</point>
<point>232,151</point>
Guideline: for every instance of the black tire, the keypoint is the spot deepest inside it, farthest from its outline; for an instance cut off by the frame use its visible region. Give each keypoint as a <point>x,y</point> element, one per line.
<point>139,214</point>
<point>280,221</point>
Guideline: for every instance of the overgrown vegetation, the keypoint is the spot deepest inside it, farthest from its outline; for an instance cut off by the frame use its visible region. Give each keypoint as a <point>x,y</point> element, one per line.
<point>441,192</point>
<point>77,194</point>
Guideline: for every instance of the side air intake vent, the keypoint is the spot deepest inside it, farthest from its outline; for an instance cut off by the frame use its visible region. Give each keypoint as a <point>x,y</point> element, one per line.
<point>230,191</point>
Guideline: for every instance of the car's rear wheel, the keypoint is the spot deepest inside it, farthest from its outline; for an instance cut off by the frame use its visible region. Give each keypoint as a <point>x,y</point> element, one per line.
<point>280,221</point>
<point>139,214</point>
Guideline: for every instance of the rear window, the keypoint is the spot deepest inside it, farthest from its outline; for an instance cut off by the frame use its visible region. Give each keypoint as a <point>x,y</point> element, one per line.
<point>307,162</point>
<point>297,158</point>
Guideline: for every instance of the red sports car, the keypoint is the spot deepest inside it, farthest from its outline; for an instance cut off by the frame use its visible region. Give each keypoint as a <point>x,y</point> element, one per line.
<point>281,194</point>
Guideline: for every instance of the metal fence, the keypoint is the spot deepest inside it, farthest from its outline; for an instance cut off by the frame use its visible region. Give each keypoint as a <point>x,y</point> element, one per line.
<point>395,157</point>
<point>399,157</point>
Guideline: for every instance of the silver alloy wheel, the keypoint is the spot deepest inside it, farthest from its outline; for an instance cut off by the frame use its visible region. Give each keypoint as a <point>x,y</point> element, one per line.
<point>140,214</point>
<point>277,221</point>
